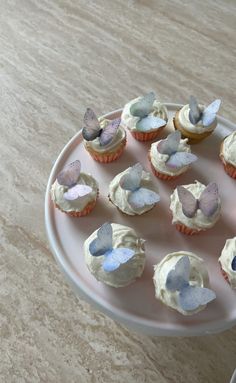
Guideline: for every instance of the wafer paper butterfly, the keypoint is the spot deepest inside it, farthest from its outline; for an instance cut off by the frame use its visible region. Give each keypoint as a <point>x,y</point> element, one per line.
<point>190,297</point>
<point>139,196</point>
<point>207,115</point>
<point>69,177</point>
<point>208,202</point>
<point>102,245</point>
<point>142,109</point>
<point>175,159</point>
<point>233,264</point>
<point>92,128</point>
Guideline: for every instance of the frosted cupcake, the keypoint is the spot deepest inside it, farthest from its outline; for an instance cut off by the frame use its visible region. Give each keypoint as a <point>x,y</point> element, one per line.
<point>104,139</point>
<point>144,117</point>
<point>228,154</point>
<point>171,157</point>
<point>195,207</point>
<point>228,262</point>
<point>73,192</point>
<point>196,122</point>
<point>132,191</point>
<point>114,255</point>
<point>182,283</point>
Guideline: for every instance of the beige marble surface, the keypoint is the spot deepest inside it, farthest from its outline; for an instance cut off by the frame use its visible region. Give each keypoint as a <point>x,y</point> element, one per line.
<point>56,58</point>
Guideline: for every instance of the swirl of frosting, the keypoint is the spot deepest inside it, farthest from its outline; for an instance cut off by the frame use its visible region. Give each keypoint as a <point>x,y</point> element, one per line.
<point>229,149</point>
<point>130,121</point>
<point>120,196</point>
<point>183,116</point>
<point>227,255</point>
<point>198,277</point>
<point>158,160</point>
<point>123,236</point>
<point>199,221</point>
<point>57,194</point>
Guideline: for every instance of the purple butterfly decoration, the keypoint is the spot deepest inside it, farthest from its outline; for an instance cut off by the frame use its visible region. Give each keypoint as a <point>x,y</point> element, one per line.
<point>170,146</point>
<point>208,114</point>
<point>139,196</point>
<point>102,245</point>
<point>142,109</point>
<point>92,128</point>
<point>208,202</point>
<point>69,177</point>
<point>190,297</point>
<point>233,264</point>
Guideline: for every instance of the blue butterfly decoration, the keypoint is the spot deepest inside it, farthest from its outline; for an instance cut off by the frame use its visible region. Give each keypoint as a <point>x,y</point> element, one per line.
<point>102,245</point>
<point>190,297</point>
<point>207,115</point>
<point>233,264</point>
<point>139,196</point>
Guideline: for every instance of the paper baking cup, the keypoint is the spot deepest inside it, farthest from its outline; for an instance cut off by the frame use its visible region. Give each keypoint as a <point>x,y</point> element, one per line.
<point>186,230</point>
<point>146,136</point>
<point>108,157</point>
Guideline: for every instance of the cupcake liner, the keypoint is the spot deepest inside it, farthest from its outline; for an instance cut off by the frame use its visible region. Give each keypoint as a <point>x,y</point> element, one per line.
<point>86,210</point>
<point>193,138</point>
<point>225,275</point>
<point>108,157</point>
<point>162,176</point>
<point>146,136</point>
<point>229,168</point>
<point>186,230</point>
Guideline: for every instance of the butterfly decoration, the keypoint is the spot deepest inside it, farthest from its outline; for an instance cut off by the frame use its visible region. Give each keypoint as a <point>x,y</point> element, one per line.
<point>207,115</point>
<point>142,109</point>
<point>169,147</point>
<point>93,130</point>
<point>208,202</point>
<point>138,196</point>
<point>190,297</point>
<point>69,177</point>
<point>233,264</point>
<point>102,245</point>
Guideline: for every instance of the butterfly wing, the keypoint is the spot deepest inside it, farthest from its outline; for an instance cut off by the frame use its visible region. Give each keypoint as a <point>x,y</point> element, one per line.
<point>132,179</point>
<point>143,197</point>
<point>188,201</point>
<point>179,276</point>
<point>103,242</point>
<point>192,297</point>
<point>194,112</point>
<point>109,132</point>
<point>209,200</point>
<point>144,106</point>
<point>116,257</point>
<point>92,127</point>
<point>233,264</point>
<point>70,174</point>
<point>180,159</point>
<point>170,144</point>
<point>209,113</point>
<point>150,122</point>
<point>77,191</point>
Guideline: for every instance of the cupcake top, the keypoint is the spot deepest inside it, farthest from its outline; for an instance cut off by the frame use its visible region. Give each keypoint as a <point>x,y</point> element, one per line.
<point>228,260</point>
<point>181,282</point>
<point>195,205</point>
<point>73,190</point>
<point>144,114</point>
<point>229,149</point>
<point>132,191</point>
<point>101,134</point>
<point>115,255</point>
<point>171,156</point>
<point>196,118</point>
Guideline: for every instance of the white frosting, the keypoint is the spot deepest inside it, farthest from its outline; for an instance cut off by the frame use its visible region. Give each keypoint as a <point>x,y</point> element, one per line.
<point>119,196</point>
<point>123,236</point>
<point>113,145</point>
<point>158,160</point>
<point>57,194</point>
<point>229,149</point>
<point>198,277</point>
<point>199,221</point>
<point>226,258</point>
<point>187,125</point>
<point>130,121</point>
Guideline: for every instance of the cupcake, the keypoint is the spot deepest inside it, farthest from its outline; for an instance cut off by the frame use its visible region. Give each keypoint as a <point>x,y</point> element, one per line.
<point>114,255</point>
<point>228,262</point>
<point>195,121</point>
<point>195,207</point>
<point>73,192</point>
<point>181,282</point>
<point>145,117</point>
<point>171,157</point>
<point>104,139</point>
<point>133,192</point>
<point>228,154</point>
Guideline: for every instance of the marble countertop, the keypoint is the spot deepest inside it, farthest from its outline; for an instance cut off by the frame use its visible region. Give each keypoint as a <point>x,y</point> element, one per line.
<point>58,57</point>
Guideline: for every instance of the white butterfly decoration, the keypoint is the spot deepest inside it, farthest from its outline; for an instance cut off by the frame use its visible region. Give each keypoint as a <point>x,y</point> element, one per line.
<point>207,115</point>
